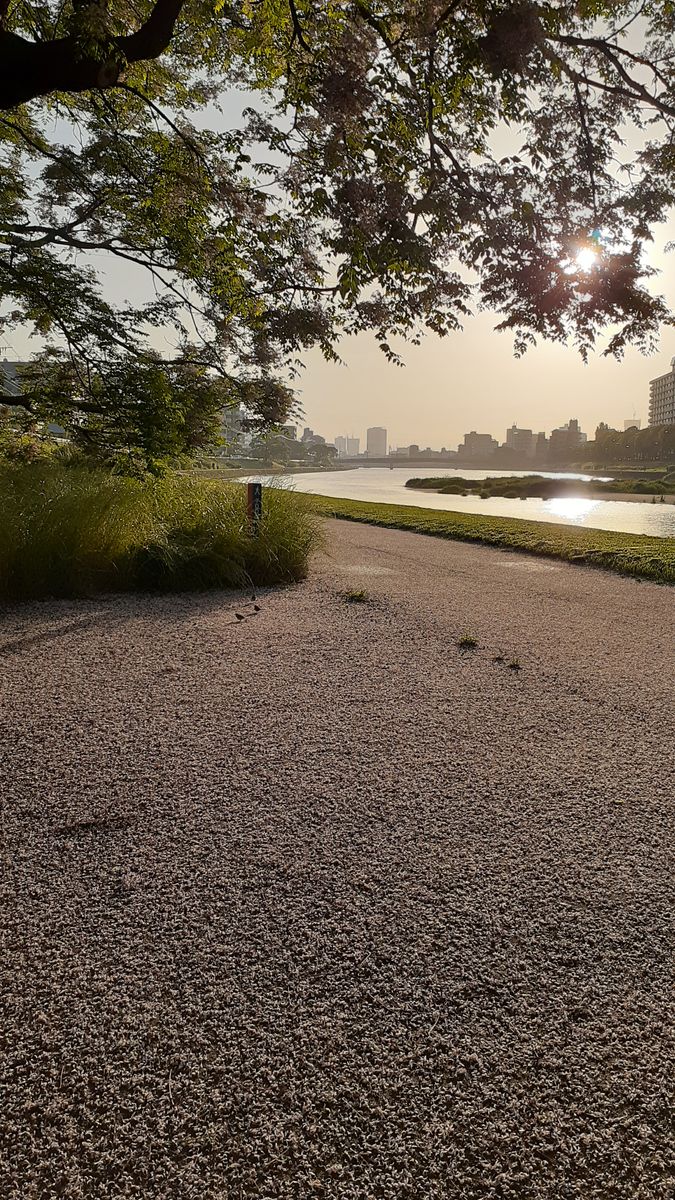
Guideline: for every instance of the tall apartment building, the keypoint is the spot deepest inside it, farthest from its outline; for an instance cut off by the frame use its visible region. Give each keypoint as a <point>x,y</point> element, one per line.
<point>376,442</point>
<point>347,447</point>
<point>232,431</point>
<point>522,441</point>
<point>566,441</point>
<point>477,445</point>
<point>662,398</point>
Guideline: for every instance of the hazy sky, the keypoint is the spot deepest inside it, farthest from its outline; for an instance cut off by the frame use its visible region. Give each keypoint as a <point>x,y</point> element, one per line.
<point>470,380</point>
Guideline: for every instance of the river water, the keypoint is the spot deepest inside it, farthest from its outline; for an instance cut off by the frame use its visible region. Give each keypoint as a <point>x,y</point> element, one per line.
<point>387,486</point>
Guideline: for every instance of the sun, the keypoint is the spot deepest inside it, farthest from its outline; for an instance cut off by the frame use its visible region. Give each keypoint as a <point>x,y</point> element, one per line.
<point>586,259</point>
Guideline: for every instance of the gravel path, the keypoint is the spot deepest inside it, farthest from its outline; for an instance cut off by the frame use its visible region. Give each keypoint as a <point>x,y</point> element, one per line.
<point>316,904</point>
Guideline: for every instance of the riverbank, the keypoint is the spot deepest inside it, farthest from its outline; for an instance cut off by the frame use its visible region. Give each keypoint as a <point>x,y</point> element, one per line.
<point>388,487</point>
<point>231,473</point>
<point>635,498</point>
<point>315,903</point>
<point>628,554</point>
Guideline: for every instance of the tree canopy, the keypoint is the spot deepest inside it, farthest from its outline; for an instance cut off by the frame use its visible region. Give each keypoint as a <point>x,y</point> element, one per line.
<point>398,164</point>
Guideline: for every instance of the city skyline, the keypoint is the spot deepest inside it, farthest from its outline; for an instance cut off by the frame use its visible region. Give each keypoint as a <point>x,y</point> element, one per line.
<point>467,380</point>
<point>517,437</point>
<point>471,380</point>
<point>412,410</point>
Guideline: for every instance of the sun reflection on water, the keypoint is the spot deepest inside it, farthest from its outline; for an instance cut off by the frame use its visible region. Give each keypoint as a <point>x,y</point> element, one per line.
<point>571,508</point>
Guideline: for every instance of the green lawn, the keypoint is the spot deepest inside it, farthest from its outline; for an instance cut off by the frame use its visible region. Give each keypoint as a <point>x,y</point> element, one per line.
<point>629,554</point>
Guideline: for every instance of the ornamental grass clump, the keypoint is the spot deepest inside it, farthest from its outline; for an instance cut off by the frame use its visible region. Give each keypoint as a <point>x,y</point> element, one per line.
<point>73,530</point>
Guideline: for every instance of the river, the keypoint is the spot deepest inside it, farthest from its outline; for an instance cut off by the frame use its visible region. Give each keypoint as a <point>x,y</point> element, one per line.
<point>387,486</point>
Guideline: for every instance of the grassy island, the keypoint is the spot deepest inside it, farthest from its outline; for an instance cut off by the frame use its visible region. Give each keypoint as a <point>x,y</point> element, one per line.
<point>516,487</point>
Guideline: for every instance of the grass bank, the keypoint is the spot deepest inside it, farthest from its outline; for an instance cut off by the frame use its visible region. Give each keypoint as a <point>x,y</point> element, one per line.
<point>75,531</point>
<point>629,554</point>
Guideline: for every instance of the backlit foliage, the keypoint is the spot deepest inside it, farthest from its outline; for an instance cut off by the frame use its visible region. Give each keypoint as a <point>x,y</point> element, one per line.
<point>398,165</point>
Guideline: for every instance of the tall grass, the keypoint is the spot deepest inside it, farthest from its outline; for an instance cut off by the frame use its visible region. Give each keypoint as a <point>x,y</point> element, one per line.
<point>73,531</point>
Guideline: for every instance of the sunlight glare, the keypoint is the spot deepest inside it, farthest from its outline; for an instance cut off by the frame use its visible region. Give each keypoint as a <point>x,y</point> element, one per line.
<point>571,507</point>
<point>586,258</point>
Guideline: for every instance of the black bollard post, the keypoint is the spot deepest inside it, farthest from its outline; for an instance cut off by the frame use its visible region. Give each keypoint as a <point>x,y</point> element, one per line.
<point>254,494</point>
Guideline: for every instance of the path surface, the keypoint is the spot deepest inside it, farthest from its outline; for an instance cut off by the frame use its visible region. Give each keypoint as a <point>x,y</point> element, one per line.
<point>315,904</point>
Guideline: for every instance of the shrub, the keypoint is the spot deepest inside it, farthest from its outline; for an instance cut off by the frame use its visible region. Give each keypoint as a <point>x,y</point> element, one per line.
<point>450,489</point>
<point>74,530</point>
<point>645,487</point>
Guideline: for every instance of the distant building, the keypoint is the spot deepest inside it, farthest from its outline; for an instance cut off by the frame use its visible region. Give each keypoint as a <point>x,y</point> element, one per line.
<point>310,438</point>
<point>566,441</point>
<point>477,445</point>
<point>572,431</point>
<point>231,422</point>
<point>10,385</point>
<point>9,377</point>
<point>234,432</point>
<point>415,451</point>
<point>662,398</point>
<point>376,442</point>
<point>290,431</point>
<point>632,423</point>
<point>521,441</point>
<point>540,445</point>
<point>347,447</point>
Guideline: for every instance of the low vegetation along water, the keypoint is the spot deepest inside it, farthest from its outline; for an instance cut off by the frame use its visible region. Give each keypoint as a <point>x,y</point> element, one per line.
<point>387,486</point>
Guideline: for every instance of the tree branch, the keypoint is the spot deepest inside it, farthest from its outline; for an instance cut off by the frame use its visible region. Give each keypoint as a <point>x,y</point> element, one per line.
<point>431,71</point>
<point>31,69</point>
<point>16,400</point>
<point>159,112</point>
<point>154,36</point>
<point>297,26</point>
<point>583,117</point>
<point>447,12</point>
<point>634,90</point>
